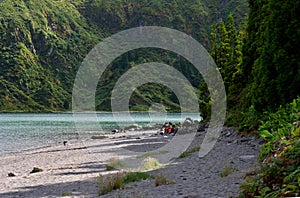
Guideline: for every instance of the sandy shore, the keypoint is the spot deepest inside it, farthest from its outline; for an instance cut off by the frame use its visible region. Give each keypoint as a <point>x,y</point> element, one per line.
<point>70,171</point>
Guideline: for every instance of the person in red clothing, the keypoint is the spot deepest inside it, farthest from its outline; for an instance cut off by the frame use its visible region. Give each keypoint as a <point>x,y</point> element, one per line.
<point>169,129</point>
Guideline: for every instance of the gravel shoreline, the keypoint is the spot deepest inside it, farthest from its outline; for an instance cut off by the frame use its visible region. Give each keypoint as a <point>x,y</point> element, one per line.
<point>71,170</point>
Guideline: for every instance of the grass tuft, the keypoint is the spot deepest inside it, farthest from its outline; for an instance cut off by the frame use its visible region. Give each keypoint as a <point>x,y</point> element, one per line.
<point>228,169</point>
<point>189,152</point>
<point>67,193</point>
<point>118,181</point>
<point>111,183</point>
<point>162,180</point>
<point>136,176</point>
<point>150,164</point>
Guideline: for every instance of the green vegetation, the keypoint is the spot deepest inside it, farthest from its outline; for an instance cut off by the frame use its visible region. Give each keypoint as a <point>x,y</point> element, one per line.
<point>228,169</point>
<point>268,79</point>
<point>270,74</point>
<point>280,169</point>
<point>150,164</point>
<point>67,193</point>
<point>118,181</point>
<point>261,81</point>
<point>44,42</point>
<point>136,176</point>
<point>189,152</point>
<point>162,180</point>
<point>226,49</point>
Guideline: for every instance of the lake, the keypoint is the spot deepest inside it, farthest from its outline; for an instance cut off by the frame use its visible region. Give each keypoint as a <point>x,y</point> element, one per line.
<point>21,131</point>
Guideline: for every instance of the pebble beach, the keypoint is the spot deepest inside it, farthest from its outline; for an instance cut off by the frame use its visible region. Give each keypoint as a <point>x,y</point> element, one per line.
<point>71,170</point>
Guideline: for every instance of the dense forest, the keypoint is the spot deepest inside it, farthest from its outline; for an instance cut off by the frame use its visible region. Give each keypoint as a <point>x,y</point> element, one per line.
<point>255,45</point>
<point>44,42</point>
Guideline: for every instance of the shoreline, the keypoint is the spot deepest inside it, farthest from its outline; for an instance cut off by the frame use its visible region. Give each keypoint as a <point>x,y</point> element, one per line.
<point>78,140</point>
<point>73,168</point>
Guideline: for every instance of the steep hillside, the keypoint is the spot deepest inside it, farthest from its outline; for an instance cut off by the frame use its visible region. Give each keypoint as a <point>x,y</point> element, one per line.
<point>43,43</point>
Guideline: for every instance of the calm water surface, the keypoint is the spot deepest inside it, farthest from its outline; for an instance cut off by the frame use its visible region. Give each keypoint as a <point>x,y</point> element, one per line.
<point>20,131</point>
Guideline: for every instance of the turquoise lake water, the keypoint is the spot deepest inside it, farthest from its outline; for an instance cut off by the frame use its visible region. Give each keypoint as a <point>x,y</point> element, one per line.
<point>21,131</point>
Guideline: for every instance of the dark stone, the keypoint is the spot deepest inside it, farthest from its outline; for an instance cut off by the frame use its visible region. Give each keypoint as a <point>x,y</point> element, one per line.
<point>202,126</point>
<point>261,142</point>
<point>11,175</point>
<point>115,131</point>
<point>36,170</point>
<point>228,134</point>
<point>65,143</point>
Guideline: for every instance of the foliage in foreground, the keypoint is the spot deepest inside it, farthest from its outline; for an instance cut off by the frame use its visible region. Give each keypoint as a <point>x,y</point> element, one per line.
<point>119,180</point>
<point>279,175</point>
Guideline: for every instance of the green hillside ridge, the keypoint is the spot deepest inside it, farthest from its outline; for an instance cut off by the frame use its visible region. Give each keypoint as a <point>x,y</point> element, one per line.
<point>43,43</point>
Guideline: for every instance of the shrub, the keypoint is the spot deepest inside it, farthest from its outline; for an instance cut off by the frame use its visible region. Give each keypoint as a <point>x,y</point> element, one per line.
<point>111,183</point>
<point>189,152</point>
<point>118,181</point>
<point>279,175</point>
<point>162,180</point>
<point>136,176</point>
<point>150,164</point>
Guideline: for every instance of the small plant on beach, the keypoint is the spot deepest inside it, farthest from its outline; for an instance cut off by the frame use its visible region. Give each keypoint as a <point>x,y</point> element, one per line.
<point>150,164</point>
<point>114,163</point>
<point>118,181</point>
<point>189,152</point>
<point>228,169</point>
<point>67,193</point>
<point>109,183</point>
<point>135,176</point>
<point>162,180</point>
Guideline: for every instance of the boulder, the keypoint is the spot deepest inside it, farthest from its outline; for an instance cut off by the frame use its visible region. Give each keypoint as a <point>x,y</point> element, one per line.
<point>187,122</point>
<point>11,175</point>
<point>36,170</point>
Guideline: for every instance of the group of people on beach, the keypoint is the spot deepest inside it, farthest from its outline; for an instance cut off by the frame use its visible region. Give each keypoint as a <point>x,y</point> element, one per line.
<point>169,128</point>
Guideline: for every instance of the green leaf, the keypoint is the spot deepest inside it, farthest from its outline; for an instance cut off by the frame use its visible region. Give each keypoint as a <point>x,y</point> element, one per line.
<point>292,188</point>
<point>266,135</point>
<point>265,190</point>
<point>295,132</point>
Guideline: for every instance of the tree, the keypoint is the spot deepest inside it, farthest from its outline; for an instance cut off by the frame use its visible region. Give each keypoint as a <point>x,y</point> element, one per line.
<point>271,61</point>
